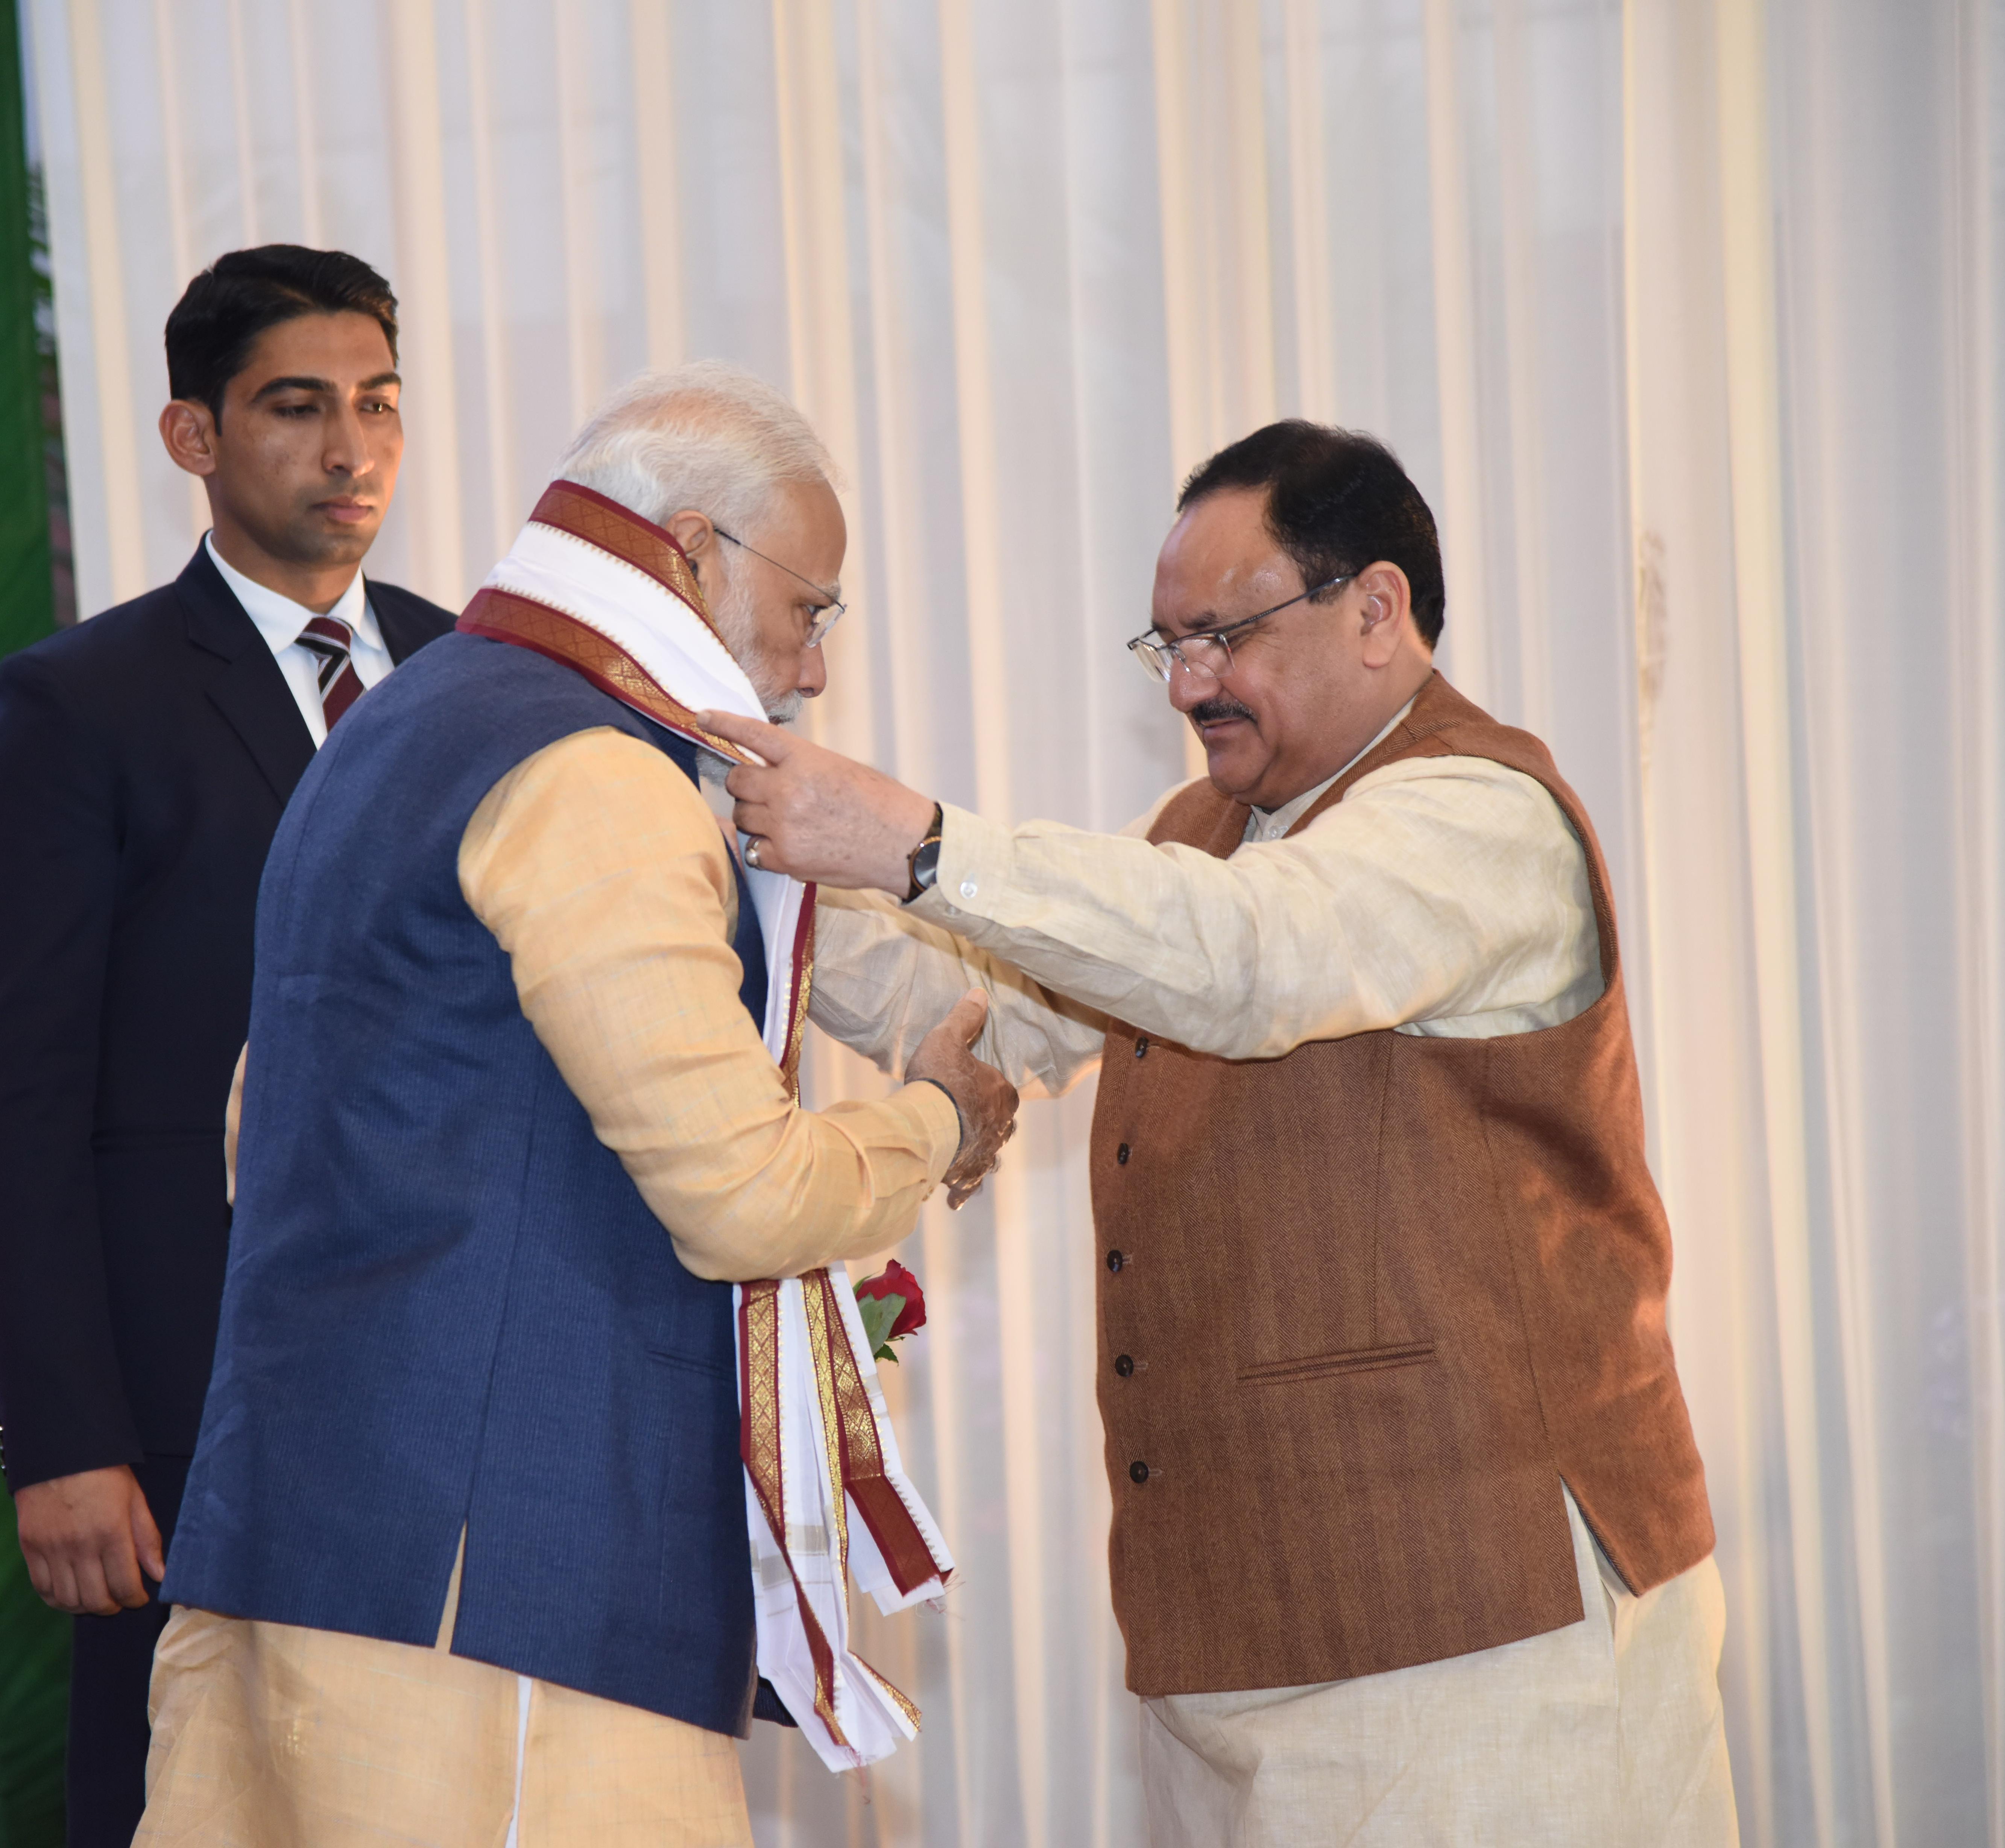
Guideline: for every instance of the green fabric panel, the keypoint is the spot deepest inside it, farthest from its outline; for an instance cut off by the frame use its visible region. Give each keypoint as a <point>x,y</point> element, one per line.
<point>27,588</point>
<point>34,1640</point>
<point>35,1703</point>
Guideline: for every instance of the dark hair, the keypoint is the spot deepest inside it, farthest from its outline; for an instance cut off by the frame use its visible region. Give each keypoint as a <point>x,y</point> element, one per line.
<point>1337,501</point>
<point>226,308</point>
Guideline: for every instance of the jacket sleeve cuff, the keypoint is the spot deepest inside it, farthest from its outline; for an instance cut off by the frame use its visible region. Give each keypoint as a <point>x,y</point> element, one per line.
<point>24,1463</point>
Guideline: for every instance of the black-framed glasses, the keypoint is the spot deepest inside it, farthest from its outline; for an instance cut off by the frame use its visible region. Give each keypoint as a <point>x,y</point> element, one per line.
<point>1210,653</point>
<point>827,614</point>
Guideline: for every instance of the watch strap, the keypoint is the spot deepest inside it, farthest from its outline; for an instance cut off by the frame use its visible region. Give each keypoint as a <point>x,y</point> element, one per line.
<point>923,863</point>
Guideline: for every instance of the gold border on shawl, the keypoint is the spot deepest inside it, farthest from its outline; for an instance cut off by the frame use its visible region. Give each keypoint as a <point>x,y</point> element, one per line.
<point>904,1703</point>
<point>828,1336</point>
<point>587,515</point>
<point>760,1446</point>
<point>505,616</point>
<point>814,1299</point>
<point>862,1455</point>
<point>797,1025</point>
<point>899,1538</point>
<point>761,1321</point>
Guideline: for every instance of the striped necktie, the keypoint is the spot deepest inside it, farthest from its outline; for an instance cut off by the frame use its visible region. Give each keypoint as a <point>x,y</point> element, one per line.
<point>331,638</point>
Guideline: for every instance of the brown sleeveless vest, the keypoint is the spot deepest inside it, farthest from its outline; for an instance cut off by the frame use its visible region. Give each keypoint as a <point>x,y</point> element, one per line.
<point>1363,1308</point>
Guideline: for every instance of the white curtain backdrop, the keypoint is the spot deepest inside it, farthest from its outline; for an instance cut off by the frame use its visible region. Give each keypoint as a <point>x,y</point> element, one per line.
<point>1686,315</point>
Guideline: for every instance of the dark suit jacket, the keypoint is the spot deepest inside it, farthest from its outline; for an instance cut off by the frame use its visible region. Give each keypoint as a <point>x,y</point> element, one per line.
<point>145,757</point>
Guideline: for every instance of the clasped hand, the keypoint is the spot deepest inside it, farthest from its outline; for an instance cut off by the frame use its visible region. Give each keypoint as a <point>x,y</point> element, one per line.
<point>985,1100</point>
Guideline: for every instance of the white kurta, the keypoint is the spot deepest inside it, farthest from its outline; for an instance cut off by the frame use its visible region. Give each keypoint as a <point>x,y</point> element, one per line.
<point>1605,1735</point>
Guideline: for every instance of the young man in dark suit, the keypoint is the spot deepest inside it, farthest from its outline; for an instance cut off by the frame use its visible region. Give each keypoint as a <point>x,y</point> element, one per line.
<point>145,757</point>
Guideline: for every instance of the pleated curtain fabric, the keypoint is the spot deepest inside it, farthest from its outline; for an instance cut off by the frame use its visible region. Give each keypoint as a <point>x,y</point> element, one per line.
<point>1685,313</point>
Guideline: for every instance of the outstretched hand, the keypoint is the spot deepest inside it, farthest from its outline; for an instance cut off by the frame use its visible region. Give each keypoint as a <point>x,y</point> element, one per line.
<point>985,1099</point>
<point>819,815</point>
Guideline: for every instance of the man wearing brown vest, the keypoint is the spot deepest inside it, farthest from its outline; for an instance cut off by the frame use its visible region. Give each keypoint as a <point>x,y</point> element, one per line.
<point>1410,1536</point>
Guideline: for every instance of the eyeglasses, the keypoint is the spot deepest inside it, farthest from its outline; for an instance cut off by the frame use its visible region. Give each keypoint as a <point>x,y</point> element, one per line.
<point>1210,653</point>
<point>826,614</point>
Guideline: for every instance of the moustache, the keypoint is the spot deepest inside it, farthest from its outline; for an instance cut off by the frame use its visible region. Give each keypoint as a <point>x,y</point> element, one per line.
<point>1213,711</point>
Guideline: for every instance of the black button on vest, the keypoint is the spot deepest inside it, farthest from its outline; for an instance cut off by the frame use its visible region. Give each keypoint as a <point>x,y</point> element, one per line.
<point>1121,1155</point>
<point>1115,1260</point>
<point>1124,1365</point>
<point>1142,1046</point>
<point>1138,1472</point>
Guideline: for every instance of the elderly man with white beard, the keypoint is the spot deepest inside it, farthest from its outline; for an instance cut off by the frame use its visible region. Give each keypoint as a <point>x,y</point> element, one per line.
<point>464,1553</point>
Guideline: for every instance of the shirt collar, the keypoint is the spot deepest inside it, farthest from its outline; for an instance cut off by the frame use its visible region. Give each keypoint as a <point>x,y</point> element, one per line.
<point>280,620</point>
<point>1271,824</point>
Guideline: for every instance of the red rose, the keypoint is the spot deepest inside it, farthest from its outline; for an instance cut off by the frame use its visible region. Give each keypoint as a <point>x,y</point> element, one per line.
<point>896,1281</point>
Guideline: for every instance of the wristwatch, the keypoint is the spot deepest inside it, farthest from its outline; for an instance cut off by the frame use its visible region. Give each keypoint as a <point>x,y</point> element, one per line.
<point>923,863</point>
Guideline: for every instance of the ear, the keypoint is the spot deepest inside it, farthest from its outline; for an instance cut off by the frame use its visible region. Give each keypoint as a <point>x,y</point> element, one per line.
<point>188,430</point>
<point>1385,611</point>
<point>697,536</point>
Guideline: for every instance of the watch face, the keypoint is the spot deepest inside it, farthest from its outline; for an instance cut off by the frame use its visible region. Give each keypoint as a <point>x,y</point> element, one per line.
<point>926,864</point>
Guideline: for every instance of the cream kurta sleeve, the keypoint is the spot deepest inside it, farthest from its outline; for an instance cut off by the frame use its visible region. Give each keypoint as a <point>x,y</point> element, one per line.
<point>1442,895</point>
<point>892,976</point>
<point>602,874</point>
<point>884,975</point>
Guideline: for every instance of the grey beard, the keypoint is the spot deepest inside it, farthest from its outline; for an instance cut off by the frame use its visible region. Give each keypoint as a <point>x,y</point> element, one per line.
<point>734,623</point>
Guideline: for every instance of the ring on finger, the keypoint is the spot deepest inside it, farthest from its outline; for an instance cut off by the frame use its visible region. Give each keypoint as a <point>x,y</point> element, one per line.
<point>752,843</point>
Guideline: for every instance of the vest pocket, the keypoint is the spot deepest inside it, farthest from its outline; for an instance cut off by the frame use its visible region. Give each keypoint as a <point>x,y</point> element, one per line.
<point>1322,1366</point>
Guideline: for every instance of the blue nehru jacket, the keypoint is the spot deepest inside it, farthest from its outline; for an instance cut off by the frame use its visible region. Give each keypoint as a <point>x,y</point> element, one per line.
<point>446,1305</point>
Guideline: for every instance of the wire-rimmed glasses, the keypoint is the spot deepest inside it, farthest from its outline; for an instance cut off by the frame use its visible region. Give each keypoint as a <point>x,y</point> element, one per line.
<point>826,614</point>
<point>1209,653</point>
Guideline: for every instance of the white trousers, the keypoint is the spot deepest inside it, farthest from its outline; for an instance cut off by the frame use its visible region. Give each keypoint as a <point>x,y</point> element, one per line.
<point>1605,1735</point>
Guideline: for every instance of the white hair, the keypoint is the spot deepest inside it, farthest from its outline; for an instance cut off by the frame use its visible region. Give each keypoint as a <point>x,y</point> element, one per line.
<point>708,436</point>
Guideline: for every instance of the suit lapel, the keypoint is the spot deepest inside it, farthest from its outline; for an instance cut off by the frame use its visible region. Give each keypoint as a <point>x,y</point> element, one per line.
<point>407,622</point>
<point>244,683</point>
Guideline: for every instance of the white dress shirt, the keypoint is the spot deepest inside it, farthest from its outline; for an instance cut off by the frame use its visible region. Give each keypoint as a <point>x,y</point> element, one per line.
<point>281,622</point>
